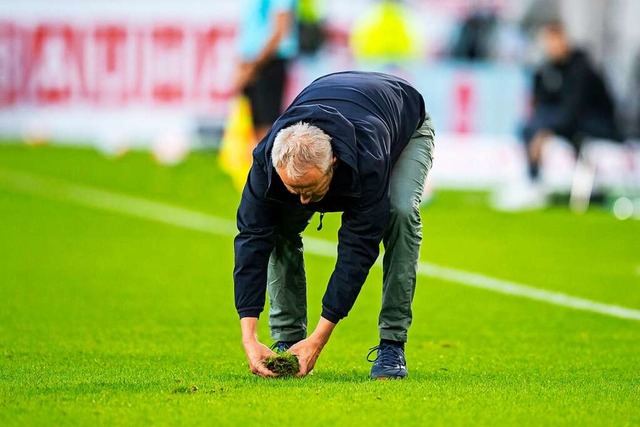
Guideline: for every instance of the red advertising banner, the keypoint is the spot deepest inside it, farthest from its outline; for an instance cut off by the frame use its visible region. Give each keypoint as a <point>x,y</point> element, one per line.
<point>11,64</point>
<point>113,64</point>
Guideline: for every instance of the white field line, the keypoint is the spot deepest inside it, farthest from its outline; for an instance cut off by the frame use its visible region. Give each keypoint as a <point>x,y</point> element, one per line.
<point>165,213</point>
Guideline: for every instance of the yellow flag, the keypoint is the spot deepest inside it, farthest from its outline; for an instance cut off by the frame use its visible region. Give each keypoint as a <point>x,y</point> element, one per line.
<point>238,143</point>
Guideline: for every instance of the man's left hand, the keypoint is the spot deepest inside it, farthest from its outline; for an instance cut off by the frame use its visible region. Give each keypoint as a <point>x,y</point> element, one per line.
<point>307,352</point>
<point>309,349</point>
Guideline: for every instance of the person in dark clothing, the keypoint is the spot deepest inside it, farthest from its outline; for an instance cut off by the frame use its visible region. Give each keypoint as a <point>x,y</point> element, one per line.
<point>356,142</point>
<point>570,99</point>
<point>268,42</point>
<point>476,36</point>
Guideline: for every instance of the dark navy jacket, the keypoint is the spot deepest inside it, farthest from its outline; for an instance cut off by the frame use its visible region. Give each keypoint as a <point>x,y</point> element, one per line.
<point>370,118</point>
<point>576,98</point>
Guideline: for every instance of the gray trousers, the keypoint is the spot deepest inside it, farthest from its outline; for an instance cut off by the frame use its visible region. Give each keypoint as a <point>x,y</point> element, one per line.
<point>287,285</point>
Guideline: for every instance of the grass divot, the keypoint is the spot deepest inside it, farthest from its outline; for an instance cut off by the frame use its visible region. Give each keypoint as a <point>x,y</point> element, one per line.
<point>284,364</point>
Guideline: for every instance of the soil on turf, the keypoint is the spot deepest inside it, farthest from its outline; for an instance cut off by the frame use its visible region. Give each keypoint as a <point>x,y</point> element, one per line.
<point>284,364</point>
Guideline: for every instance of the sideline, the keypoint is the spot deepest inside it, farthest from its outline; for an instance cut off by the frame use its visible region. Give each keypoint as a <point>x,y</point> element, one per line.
<point>92,197</point>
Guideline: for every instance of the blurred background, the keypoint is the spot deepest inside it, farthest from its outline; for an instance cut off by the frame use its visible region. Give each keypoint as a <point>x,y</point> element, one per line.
<point>158,75</point>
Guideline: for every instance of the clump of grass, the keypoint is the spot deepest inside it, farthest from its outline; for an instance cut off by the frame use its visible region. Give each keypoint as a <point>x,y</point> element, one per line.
<point>284,364</point>
<point>186,389</point>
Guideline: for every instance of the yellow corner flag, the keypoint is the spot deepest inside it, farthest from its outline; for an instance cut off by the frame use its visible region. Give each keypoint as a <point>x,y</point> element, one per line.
<point>238,142</point>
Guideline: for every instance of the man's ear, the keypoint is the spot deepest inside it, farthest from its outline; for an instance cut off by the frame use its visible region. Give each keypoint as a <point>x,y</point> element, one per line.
<point>333,162</point>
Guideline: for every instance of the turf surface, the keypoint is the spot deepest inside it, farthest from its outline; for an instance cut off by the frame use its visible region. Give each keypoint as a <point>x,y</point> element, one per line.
<point>109,319</point>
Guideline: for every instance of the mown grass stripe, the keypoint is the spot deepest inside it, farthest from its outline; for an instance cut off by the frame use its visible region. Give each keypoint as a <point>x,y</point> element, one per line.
<point>97,198</point>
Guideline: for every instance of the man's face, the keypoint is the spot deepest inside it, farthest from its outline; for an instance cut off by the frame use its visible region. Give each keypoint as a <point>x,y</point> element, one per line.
<point>311,187</point>
<point>555,44</point>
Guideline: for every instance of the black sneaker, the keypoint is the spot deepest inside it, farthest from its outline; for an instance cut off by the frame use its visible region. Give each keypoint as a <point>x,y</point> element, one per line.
<point>389,362</point>
<point>282,346</point>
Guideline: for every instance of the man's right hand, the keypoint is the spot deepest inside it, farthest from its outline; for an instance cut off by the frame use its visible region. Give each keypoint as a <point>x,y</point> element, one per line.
<point>257,353</point>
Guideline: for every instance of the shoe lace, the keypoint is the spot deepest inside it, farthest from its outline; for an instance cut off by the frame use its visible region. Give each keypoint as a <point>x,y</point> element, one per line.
<point>389,357</point>
<point>276,346</point>
<point>371,350</point>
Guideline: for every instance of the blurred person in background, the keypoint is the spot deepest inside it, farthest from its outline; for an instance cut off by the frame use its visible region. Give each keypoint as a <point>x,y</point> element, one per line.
<point>484,35</point>
<point>631,112</point>
<point>268,41</point>
<point>311,31</point>
<point>353,142</point>
<point>476,36</point>
<point>570,100</point>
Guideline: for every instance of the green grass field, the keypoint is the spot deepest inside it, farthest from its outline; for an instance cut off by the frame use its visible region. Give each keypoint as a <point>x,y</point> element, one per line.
<point>108,318</point>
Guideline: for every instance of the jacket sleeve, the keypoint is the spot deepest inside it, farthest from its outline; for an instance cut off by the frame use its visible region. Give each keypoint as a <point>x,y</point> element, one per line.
<point>256,221</point>
<point>358,248</point>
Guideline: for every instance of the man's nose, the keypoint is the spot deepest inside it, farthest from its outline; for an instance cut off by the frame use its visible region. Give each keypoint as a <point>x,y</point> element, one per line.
<point>304,199</point>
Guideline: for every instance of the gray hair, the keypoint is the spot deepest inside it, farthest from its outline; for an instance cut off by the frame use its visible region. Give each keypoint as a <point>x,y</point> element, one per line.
<point>299,147</point>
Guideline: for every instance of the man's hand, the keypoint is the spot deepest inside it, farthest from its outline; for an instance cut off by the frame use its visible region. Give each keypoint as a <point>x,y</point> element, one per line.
<point>247,70</point>
<point>244,75</point>
<point>537,143</point>
<point>308,350</point>
<point>257,353</point>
